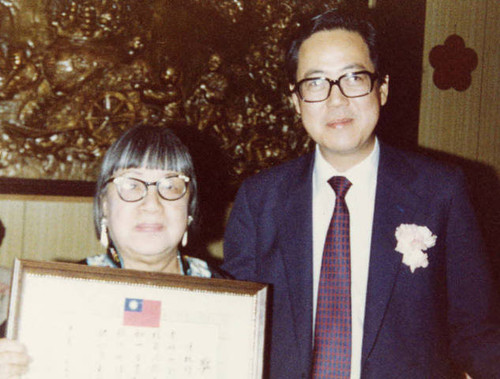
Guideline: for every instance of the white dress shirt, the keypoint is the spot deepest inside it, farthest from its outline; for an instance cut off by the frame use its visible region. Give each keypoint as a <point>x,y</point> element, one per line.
<point>360,201</point>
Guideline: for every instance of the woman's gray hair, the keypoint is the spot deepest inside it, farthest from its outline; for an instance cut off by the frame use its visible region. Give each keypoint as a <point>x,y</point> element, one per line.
<point>152,147</point>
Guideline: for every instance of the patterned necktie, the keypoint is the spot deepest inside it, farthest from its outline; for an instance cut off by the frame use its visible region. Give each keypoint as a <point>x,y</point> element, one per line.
<point>332,337</point>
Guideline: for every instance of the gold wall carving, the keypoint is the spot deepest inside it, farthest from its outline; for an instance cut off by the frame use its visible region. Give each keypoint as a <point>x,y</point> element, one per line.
<point>75,74</point>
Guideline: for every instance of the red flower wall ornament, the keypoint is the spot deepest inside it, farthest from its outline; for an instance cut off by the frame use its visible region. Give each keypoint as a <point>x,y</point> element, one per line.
<point>453,64</point>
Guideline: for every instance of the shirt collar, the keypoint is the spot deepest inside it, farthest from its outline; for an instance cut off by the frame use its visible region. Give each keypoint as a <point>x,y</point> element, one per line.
<point>363,173</point>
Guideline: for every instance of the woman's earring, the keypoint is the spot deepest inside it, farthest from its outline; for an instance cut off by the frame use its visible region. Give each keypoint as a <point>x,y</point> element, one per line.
<point>184,239</point>
<point>104,234</point>
<point>185,235</point>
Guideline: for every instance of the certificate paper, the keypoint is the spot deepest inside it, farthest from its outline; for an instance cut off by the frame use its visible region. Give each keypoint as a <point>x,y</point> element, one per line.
<point>156,326</point>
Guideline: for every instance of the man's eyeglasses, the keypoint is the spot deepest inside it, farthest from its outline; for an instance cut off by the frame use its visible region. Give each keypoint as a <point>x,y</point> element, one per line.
<point>171,187</point>
<point>352,84</point>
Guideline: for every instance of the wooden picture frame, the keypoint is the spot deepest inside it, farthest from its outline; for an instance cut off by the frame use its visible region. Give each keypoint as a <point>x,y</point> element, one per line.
<point>94,322</point>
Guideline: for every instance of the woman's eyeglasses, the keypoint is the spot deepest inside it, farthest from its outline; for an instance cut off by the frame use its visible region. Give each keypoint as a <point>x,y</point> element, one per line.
<point>170,188</point>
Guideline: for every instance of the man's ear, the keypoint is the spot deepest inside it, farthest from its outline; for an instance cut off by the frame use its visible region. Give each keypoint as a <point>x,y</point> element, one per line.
<point>295,100</point>
<point>383,90</point>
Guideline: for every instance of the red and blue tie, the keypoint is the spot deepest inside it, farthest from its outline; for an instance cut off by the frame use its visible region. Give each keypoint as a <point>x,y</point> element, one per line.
<point>332,337</point>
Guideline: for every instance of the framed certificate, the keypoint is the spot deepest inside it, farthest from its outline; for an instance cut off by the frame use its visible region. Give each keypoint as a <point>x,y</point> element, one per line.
<point>94,322</point>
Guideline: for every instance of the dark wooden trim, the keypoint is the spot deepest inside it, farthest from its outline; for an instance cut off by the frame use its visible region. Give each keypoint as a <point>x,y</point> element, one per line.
<point>46,187</point>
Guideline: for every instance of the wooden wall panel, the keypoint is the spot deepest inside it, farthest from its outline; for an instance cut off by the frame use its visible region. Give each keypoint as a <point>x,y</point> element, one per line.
<point>59,230</point>
<point>463,123</point>
<point>449,120</point>
<point>12,218</point>
<point>46,228</point>
<point>466,124</point>
<point>489,134</point>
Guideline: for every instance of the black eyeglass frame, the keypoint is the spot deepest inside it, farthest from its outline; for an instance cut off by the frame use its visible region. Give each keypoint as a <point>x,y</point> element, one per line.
<point>186,179</point>
<point>372,75</point>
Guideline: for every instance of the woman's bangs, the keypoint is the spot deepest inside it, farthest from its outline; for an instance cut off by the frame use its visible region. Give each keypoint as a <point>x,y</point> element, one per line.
<point>155,157</point>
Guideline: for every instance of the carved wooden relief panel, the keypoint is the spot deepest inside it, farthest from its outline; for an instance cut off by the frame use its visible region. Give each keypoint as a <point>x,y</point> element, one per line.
<point>75,74</point>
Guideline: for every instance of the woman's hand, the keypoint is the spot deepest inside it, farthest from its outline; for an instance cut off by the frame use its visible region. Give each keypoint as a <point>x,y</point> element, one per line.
<point>14,359</point>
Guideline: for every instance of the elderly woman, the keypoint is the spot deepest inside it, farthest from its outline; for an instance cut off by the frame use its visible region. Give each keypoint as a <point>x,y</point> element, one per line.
<point>145,204</point>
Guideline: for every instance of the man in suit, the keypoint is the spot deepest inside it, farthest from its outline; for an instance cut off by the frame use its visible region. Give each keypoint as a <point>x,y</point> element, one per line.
<point>420,303</point>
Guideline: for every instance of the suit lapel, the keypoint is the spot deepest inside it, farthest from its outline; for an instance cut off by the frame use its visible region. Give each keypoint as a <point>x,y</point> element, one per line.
<point>394,202</point>
<point>295,245</point>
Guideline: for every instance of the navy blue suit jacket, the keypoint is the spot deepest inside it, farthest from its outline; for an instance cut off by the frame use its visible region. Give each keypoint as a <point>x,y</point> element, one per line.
<point>433,323</point>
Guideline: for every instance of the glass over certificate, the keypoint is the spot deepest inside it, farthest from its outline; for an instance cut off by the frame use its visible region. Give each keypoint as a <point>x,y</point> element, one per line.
<point>93,322</point>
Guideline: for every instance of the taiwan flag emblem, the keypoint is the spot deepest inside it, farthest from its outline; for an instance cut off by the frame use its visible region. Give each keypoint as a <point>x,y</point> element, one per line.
<point>140,312</point>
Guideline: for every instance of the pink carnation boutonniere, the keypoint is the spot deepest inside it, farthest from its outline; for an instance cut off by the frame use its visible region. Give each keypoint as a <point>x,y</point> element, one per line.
<point>413,240</point>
